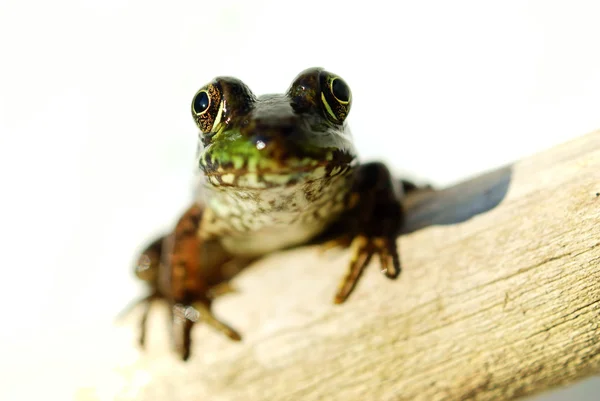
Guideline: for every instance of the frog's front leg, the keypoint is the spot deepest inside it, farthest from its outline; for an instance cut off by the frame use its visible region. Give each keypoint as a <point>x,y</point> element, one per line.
<point>373,223</point>
<point>188,273</point>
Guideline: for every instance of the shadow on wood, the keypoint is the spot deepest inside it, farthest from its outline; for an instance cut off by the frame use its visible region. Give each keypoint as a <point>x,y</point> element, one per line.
<point>458,203</point>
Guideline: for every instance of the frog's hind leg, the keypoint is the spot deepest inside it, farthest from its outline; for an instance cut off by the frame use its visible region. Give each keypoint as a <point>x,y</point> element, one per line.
<point>373,224</point>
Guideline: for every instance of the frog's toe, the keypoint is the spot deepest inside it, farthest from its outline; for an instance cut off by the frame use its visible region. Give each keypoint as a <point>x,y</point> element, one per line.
<point>205,315</point>
<point>342,242</point>
<point>144,320</point>
<point>363,249</point>
<point>361,255</point>
<point>146,302</point>
<point>220,290</point>
<point>184,318</point>
<point>181,330</point>
<point>388,255</point>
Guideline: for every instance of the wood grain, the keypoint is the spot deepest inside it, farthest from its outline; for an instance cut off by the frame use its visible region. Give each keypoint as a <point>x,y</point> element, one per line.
<point>499,298</point>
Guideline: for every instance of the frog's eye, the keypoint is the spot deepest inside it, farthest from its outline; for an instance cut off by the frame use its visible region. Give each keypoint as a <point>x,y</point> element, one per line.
<point>340,90</point>
<point>201,102</point>
<point>335,97</point>
<point>207,108</point>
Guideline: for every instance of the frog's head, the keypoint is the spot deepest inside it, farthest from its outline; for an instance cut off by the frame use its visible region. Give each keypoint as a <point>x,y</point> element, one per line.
<point>274,140</point>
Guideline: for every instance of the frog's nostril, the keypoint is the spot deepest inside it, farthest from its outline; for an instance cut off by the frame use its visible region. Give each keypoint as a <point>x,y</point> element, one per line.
<point>287,130</point>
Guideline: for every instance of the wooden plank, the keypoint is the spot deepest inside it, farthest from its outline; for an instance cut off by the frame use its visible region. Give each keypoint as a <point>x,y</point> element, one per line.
<point>499,298</point>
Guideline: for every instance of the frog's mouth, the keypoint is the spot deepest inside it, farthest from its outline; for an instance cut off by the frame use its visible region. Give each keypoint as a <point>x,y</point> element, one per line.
<point>240,172</point>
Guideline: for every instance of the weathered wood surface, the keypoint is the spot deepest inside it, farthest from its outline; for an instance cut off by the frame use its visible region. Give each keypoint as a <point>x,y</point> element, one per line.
<point>499,298</point>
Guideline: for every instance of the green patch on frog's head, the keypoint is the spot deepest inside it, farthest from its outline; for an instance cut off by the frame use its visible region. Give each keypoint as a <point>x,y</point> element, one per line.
<point>274,140</point>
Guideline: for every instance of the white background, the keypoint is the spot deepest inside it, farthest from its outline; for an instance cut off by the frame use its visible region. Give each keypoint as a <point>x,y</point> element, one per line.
<point>97,141</point>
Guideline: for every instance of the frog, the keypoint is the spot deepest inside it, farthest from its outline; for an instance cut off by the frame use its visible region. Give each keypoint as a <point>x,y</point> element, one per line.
<point>273,172</point>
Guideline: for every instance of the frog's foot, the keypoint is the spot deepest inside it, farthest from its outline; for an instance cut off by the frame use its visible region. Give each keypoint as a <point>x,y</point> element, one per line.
<point>373,224</point>
<point>184,318</point>
<point>363,249</point>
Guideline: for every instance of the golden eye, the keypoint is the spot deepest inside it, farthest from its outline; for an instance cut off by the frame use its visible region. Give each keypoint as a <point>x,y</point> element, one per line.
<point>335,97</point>
<point>206,108</point>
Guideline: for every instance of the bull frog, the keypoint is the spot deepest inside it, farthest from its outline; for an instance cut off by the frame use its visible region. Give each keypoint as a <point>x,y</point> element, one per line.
<point>275,171</point>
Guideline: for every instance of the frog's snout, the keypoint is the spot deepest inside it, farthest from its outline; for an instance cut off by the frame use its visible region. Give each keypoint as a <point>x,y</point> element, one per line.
<point>268,132</point>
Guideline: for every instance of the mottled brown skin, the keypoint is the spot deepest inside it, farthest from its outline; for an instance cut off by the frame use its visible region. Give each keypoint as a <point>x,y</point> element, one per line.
<point>278,171</point>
